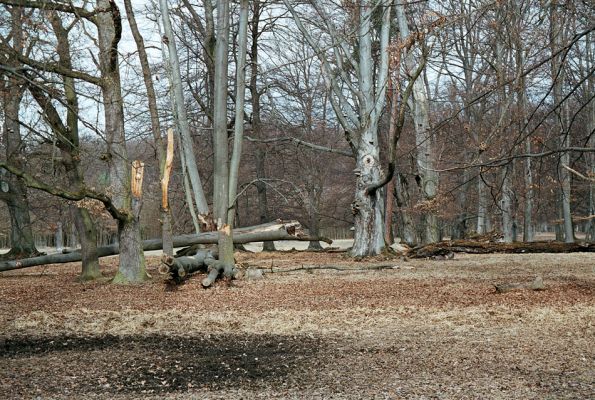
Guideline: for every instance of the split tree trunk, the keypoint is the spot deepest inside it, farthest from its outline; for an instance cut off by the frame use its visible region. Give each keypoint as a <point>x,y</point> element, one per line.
<point>164,156</point>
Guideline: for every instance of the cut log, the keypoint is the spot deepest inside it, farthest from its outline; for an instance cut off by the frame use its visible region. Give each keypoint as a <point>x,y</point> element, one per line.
<point>278,230</point>
<point>474,247</point>
<point>537,284</point>
<point>180,268</point>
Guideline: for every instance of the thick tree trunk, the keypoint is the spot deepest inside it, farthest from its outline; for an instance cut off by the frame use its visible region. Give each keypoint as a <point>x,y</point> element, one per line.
<point>21,235</point>
<point>368,209</point>
<point>88,239</point>
<point>14,191</point>
<point>132,261</point>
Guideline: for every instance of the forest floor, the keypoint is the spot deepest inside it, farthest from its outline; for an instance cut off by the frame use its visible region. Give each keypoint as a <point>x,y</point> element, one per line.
<point>422,329</point>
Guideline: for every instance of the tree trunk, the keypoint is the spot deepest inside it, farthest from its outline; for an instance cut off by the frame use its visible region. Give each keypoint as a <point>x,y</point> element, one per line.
<point>132,266</point>
<point>368,209</point>
<point>407,233</point>
<point>506,204</point>
<point>255,94</point>
<point>314,225</point>
<point>14,191</point>
<point>21,235</point>
<point>88,239</point>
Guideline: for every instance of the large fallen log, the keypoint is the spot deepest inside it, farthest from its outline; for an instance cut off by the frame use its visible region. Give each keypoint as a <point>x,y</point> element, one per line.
<point>475,247</point>
<point>278,230</point>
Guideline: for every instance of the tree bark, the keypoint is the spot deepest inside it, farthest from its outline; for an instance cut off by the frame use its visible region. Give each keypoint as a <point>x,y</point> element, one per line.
<point>14,191</point>
<point>132,266</point>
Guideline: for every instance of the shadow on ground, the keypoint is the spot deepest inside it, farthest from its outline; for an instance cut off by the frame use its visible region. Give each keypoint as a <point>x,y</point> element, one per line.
<point>151,364</point>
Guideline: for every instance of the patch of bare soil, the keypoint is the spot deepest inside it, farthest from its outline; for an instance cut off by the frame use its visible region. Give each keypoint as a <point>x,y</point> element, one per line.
<point>420,329</point>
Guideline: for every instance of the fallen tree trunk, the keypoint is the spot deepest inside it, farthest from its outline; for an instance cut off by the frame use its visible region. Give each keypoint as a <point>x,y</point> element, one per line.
<point>278,230</point>
<point>474,247</point>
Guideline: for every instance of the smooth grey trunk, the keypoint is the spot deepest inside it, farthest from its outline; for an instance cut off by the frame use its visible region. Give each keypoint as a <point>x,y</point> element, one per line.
<point>506,203</point>
<point>238,138</point>
<point>423,140</point>
<point>368,210</point>
<point>180,114</point>
<point>221,182</point>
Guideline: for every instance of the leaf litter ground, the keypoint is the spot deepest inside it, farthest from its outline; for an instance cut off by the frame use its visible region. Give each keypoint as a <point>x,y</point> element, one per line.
<point>421,329</point>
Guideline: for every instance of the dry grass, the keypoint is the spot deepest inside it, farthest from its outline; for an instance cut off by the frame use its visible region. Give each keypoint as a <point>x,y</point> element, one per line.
<point>424,329</point>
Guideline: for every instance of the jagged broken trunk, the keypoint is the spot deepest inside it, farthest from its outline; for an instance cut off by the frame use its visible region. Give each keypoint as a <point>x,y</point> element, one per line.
<point>368,209</point>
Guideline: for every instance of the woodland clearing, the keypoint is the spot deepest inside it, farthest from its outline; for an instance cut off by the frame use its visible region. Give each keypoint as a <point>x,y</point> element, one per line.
<point>422,329</point>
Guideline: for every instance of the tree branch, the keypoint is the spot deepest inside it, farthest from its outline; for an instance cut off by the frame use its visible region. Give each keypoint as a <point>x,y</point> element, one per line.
<point>81,194</point>
<point>300,142</point>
